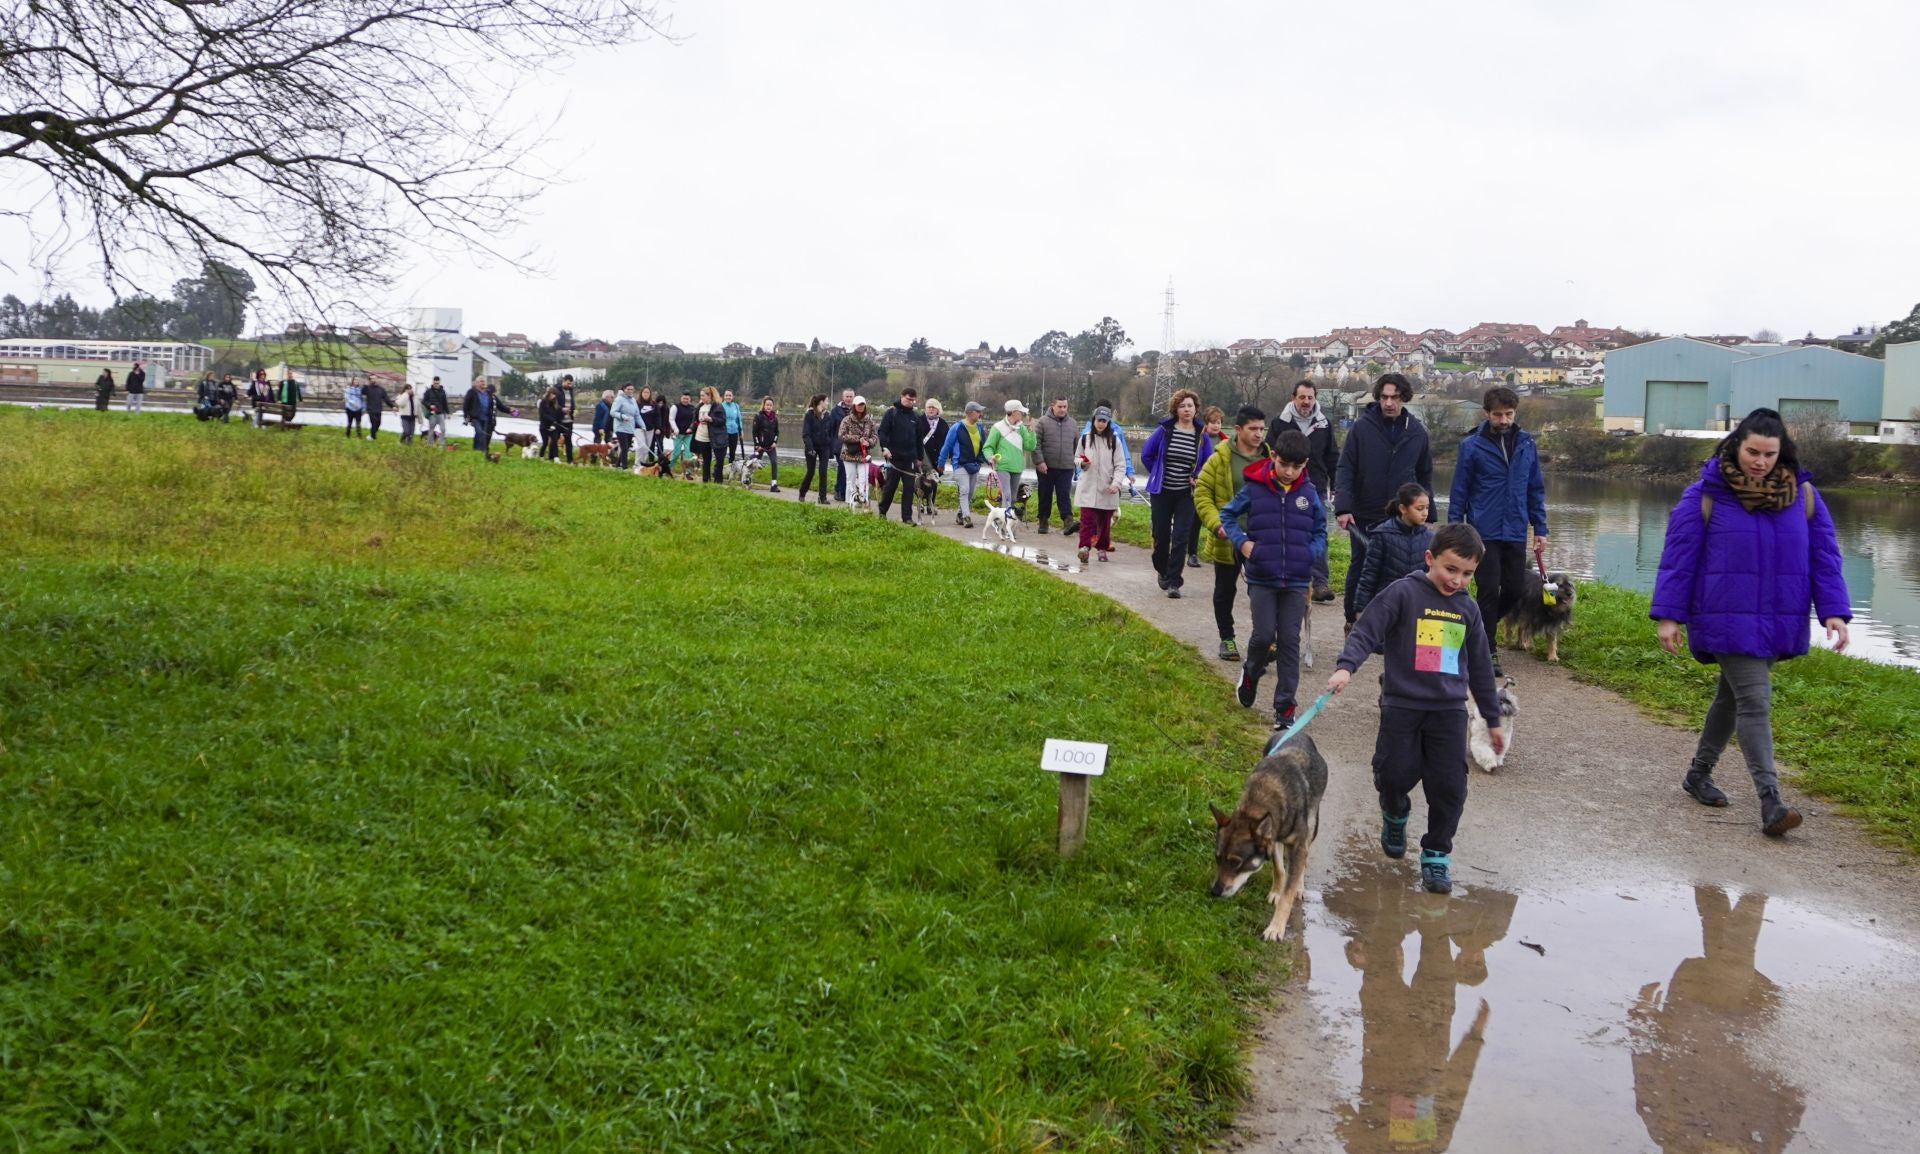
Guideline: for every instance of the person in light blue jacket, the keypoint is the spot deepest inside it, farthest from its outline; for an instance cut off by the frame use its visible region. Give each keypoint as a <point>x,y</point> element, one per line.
<point>626,419</point>
<point>732,409</point>
<point>355,402</point>
<point>1498,489</point>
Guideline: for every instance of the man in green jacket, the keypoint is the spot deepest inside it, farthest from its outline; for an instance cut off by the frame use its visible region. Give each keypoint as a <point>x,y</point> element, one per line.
<point>1220,478</point>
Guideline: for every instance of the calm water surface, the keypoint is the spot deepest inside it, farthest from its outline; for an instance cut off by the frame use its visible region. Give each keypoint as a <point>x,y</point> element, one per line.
<point>1612,530</point>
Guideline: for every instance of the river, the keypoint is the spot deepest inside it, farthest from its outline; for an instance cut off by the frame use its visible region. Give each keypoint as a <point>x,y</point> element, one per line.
<point>1611,530</point>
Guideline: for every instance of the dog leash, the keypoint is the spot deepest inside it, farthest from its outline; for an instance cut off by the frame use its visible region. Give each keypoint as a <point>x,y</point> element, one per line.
<point>1300,722</point>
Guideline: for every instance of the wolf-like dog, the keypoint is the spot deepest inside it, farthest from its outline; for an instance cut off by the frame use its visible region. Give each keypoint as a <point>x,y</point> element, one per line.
<point>1479,744</point>
<point>1279,809</point>
<point>1532,616</point>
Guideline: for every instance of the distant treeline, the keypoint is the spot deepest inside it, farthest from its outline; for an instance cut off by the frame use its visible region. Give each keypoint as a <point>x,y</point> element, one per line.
<point>788,380</point>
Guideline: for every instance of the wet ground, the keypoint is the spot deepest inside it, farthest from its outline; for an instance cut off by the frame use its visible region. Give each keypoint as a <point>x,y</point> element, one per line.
<point>1618,968</point>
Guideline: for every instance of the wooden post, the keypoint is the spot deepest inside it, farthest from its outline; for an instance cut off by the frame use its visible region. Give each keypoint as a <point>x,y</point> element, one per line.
<point>1073,812</point>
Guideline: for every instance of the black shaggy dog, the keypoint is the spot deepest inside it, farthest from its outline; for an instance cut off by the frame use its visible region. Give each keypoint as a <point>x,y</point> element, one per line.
<point>1532,617</point>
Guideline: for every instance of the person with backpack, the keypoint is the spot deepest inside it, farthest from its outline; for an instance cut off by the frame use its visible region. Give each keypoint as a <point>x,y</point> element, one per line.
<point>136,387</point>
<point>354,401</point>
<point>1386,448</point>
<point>1499,490</point>
<point>1749,548</point>
<point>965,446</point>
<point>1103,468</point>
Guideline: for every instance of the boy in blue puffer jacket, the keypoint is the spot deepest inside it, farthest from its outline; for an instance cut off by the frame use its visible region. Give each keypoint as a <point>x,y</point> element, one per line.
<point>1498,489</point>
<point>1285,530</point>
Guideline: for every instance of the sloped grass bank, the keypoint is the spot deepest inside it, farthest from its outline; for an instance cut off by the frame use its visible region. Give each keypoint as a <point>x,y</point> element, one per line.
<point>1842,727</point>
<point>360,797</point>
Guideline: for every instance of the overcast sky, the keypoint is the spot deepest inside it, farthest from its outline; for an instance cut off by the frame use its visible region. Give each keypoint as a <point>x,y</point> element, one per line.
<point>872,171</point>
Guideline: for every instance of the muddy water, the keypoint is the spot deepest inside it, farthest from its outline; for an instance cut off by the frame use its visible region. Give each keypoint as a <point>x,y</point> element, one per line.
<point>1064,562</point>
<point>1629,1016</point>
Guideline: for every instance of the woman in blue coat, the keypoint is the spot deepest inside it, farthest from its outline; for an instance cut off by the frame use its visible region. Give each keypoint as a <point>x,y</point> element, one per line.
<point>1749,548</point>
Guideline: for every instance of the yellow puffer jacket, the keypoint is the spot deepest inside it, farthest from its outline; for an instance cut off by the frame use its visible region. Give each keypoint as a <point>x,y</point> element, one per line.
<point>1220,478</point>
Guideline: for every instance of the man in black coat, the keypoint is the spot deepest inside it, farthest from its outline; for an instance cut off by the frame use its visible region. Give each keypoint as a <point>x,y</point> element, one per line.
<point>834,416</point>
<point>136,387</point>
<point>1386,448</point>
<point>903,431</point>
<point>1323,458</point>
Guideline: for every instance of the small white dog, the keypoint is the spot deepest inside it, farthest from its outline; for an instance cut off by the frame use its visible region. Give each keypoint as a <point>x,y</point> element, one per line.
<point>1479,744</point>
<point>529,453</point>
<point>1000,521</point>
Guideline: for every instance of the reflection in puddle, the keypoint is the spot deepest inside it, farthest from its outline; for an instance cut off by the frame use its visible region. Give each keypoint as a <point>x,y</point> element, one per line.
<point>1034,553</point>
<point>1570,1035</point>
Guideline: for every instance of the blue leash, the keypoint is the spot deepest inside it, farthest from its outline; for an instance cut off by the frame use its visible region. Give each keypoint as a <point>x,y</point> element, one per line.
<point>1299,723</point>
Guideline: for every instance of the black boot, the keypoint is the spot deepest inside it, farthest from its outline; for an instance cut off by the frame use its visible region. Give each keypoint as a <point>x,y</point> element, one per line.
<point>1776,816</point>
<point>1699,786</point>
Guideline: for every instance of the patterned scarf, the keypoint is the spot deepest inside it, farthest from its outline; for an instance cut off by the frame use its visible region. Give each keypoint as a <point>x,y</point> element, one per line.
<point>1772,493</point>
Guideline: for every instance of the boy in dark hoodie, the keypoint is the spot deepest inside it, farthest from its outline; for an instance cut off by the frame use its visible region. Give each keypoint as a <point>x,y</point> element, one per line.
<point>1285,528</point>
<point>1436,653</point>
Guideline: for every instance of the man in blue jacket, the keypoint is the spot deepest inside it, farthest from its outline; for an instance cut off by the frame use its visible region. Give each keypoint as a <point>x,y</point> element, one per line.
<point>1386,448</point>
<point>1498,489</point>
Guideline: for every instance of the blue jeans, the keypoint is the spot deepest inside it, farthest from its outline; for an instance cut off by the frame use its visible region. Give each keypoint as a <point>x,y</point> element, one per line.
<point>482,436</point>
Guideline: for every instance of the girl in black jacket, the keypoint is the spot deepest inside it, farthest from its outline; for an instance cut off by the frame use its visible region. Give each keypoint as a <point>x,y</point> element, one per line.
<point>816,435</point>
<point>766,438</point>
<point>1396,547</point>
<point>550,427</point>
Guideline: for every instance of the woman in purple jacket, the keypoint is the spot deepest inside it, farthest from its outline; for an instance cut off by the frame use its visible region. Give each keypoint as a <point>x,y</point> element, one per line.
<point>1749,547</point>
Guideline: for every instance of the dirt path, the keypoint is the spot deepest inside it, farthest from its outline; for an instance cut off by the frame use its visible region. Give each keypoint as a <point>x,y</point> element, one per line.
<point>1654,975</point>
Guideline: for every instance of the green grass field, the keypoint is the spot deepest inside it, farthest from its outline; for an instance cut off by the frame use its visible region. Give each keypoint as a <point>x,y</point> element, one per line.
<point>362,797</point>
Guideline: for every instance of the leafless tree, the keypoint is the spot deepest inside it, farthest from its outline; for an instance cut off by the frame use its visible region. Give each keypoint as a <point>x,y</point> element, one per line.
<point>317,143</point>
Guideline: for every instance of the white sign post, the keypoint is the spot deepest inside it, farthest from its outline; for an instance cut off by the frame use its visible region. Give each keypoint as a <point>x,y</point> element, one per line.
<point>1075,762</point>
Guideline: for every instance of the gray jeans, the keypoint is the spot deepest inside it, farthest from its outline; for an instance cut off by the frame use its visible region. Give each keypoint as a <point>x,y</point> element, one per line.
<point>1741,704</point>
<point>963,484</point>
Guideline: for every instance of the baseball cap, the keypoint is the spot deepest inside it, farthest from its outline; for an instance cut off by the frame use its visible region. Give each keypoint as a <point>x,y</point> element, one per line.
<point>1016,407</point>
<point>975,407</point>
<point>859,400</point>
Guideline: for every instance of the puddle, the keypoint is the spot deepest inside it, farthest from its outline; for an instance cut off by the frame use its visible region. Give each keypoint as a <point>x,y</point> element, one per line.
<point>1034,553</point>
<point>1670,1018</point>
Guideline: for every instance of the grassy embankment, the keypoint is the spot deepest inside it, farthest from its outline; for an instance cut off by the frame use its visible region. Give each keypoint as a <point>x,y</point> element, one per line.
<point>1844,726</point>
<point>361,797</point>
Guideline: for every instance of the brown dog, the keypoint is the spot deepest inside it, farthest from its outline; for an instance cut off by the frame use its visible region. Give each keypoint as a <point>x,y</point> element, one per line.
<point>595,454</point>
<point>520,440</point>
<point>1278,811</point>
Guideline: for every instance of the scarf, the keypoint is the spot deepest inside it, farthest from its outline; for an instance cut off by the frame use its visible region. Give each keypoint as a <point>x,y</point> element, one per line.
<point>1772,493</point>
<point>1309,422</point>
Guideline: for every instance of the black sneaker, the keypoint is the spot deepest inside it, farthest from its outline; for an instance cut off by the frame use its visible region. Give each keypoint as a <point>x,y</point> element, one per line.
<point>1282,717</point>
<point>1393,836</point>
<point>1433,873</point>
<point>1193,559</point>
<point>1776,816</point>
<point>1163,582</point>
<point>1699,786</point>
<point>1043,527</point>
<point>1244,692</point>
<point>1322,594</point>
<point>1229,651</point>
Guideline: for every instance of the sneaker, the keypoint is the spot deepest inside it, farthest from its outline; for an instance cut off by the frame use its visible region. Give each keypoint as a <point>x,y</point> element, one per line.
<point>1043,527</point>
<point>1244,691</point>
<point>1699,786</point>
<point>1103,556</point>
<point>1163,582</point>
<point>773,488</point>
<point>969,522</point>
<point>1776,816</point>
<point>1322,594</point>
<point>1082,553</point>
<point>1282,716</point>
<point>1229,650</point>
<point>1193,560</point>
<point>1174,593</point>
<point>1393,835</point>
<point>1434,877</point>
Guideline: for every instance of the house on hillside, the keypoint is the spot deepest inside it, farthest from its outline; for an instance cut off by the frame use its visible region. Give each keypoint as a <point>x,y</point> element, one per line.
<point>734,351</point>
<point>789,348</point>
<point>594,350</point>
<point>1687,383</point>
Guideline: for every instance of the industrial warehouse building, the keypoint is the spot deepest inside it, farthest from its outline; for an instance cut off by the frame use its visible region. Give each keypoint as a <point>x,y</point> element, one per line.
<point>1680,383</point>
<point>1900,405</point>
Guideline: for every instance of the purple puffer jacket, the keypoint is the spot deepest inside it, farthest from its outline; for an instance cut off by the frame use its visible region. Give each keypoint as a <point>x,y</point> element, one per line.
<point>1742,584</point>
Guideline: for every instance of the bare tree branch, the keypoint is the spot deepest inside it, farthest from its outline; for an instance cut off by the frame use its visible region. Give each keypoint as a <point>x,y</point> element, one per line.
<point>316,143</point>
